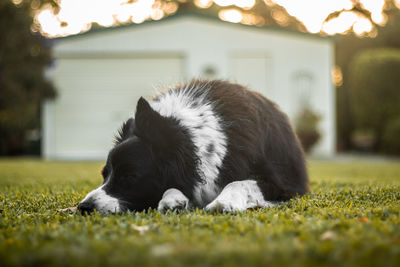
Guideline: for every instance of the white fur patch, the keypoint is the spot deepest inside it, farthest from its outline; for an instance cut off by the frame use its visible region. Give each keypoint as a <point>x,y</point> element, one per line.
<point>239,196</point>
<point>197,115</point>
<point>173,199</point>
<point>103,202</point>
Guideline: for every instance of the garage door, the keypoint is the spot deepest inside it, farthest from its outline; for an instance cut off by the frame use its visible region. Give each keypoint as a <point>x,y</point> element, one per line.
<point>95,96</point>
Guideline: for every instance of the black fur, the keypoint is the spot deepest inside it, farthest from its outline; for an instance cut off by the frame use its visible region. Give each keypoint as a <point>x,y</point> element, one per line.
<point>262,143</point>
<point>153,153</point>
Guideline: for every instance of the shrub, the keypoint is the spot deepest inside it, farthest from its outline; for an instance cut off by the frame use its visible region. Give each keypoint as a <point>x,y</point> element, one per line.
<point>391,137</point>
<point>363,140</point>
<point>375,90</point>
<point>306,124</point>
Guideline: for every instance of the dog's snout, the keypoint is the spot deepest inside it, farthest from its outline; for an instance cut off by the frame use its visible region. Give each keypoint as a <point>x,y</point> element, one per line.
<point>86,207</point>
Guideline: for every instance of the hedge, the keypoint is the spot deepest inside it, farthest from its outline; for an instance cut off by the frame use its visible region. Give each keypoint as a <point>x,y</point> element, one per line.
<point>375,92</point>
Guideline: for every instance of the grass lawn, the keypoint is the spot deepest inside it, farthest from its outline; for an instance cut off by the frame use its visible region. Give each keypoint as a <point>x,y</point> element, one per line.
<point>351,217</point>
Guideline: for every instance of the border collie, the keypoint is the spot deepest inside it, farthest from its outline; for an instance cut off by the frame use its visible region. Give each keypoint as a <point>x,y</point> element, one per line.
<point>208,144</point>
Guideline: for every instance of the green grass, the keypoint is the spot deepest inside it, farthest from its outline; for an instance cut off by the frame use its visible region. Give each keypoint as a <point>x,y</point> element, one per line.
<point>350,218</point>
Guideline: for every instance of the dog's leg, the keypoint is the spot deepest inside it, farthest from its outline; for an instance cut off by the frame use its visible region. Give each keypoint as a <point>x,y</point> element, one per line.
<point>173,199</point>
<point>239,196</point>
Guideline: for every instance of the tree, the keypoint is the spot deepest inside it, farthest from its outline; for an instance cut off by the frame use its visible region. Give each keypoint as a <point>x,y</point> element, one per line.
<point>24,57</point>
<point>347,47</point>
<point>374,91</point>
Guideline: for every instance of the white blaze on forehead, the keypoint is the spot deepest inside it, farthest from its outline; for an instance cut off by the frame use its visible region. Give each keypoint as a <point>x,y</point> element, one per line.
<point>103,202</point>
<point>196,114</point>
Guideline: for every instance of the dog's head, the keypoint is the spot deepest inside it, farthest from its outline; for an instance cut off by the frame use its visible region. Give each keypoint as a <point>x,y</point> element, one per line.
<point>141,165</point>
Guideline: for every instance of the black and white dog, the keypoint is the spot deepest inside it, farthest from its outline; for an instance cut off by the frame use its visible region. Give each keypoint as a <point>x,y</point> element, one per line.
<point>209,144</point>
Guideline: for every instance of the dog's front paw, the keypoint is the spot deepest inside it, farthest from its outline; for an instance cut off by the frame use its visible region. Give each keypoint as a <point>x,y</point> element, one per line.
<point>173,199</point>
<point>239,196</point>
<point>229,205</point>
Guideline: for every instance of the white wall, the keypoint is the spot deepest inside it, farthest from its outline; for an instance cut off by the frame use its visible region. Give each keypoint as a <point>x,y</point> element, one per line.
<point>95,96</point>
<point>203,42</point>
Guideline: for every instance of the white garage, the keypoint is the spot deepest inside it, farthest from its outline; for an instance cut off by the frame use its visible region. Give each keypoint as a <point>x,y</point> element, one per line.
<point>101,74</point>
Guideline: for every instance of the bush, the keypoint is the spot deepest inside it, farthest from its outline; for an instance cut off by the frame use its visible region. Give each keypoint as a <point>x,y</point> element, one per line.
<point>363,140</point>
<point>306,124</point>
<point>391,137</point>
<point>375,90</point>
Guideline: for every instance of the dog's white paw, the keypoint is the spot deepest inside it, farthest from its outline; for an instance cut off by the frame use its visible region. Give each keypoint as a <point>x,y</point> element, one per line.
<point>173,199</point>
<point>227,203</point>
<point>239,196</point>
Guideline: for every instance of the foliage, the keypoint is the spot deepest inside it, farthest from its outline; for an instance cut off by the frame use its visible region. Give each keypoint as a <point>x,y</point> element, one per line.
<point>306,125</point>
<point>346,48</point>
<point>374,90</point>
<point>363,140</point>
<point>257,12</point>
<point>359,9</point>
<point>267,14</point>
<point>391,137</point>
<point>23,59</point>
<point>350,218</point>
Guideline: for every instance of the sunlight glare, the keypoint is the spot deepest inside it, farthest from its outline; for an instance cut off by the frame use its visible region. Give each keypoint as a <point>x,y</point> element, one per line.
<point>313,12</point>
<point>203,3</point>
<point>346,21</point>
<point>17,2</point>
<point>340,24</point>
<point>375,7</point>
<point>231,15</point>
<point>337,76</point>
<point>246,4</point>
<point>76,16</point>
<point>362,25</point>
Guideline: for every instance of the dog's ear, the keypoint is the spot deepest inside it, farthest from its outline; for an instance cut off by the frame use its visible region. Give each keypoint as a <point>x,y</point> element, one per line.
<point>160,132</point>
<point>127,130</point>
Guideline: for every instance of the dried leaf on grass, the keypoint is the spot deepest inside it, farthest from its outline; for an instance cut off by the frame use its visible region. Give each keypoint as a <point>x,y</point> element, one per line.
<point>142,229</point>
<point>328,236</point>
<point>70,209</point>
<point>363,219</point>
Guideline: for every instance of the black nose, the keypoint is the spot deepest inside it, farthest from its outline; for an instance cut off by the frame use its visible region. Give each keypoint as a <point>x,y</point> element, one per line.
<point>86,207</point>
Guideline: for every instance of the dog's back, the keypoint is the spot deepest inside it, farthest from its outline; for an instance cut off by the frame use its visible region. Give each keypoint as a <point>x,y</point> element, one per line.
<point>262,143</point>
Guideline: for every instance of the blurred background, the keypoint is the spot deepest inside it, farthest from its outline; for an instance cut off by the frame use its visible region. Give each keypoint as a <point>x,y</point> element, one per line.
<point>72,70</point>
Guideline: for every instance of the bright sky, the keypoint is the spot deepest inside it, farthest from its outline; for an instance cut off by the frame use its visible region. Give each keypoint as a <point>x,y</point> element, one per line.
<point>77,15</point>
